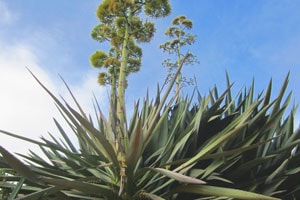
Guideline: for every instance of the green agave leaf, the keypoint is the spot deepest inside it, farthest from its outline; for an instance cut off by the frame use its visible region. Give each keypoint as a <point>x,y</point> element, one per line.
<point>107,147</point>
<point>273,123</point>
<point>277,172</point>
<point>229,100</point>
<point>135,146</point>
<point>212,167</point>
<point>22,138</point>
<point>134,118</point>
<point>260,116</point>
<point>215,176</point>
<point>74,196</point>
<point>10,178</point>
<point>272,188</point>
<point>163,142</point>
<point>249,99</point>
<point>74,99</point>
<point>295,190</point>
<point>61,107</point>
<point>268,94</point>
<point>65,136</point>
<point>66,113</point>
<point>281,94</point>
<point>288,147</point>
<point>293,171</point>
<point>236,151</point>
<point>181,142</point>
<point>99,176</point>
<point>17,189</point>
<point>162,102</point>
<point>205,150</point>
<point>215,105</point>
<point>87,188</point>
<point>152,196</point>
<point>42,193</point>
<point>154,127</point>
<point>25,188</point>
<point>246,167</point>
<point>69,159</point>
<point>34,158</point>
<point>214,198</point>
<point>176,176</point>
<point>18,166</point>
<point>220,192</point>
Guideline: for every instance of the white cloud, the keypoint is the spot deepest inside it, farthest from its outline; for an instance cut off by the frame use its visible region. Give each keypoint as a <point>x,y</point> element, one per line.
<point>26,109</point>
<point>6,17</point>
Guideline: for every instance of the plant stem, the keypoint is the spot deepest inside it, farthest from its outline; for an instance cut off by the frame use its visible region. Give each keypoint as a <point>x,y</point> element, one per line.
<point>121,113</point>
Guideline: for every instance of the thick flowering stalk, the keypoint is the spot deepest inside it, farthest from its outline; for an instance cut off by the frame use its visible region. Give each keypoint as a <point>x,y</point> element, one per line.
<point>180,38</point>
<point>121,25</point>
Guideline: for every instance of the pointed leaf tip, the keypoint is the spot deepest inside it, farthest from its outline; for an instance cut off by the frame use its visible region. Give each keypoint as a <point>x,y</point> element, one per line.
<point>177,176</point>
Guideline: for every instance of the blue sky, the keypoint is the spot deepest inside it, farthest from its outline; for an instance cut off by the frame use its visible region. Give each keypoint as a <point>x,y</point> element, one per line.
<point>249,38</point>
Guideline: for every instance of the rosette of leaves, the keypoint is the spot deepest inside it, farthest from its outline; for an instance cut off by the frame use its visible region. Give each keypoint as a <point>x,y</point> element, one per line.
<point>175,150</point>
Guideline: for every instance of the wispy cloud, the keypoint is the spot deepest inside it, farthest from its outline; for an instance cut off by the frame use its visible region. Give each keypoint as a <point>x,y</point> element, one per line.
<point>6,17</point>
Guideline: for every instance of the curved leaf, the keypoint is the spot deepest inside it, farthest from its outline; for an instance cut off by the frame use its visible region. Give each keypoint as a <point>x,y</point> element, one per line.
<point>176,176</point>
<point>221,192</point>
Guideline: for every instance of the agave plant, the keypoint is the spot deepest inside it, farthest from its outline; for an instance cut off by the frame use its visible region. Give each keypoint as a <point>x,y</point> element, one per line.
<point>218,147</point>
